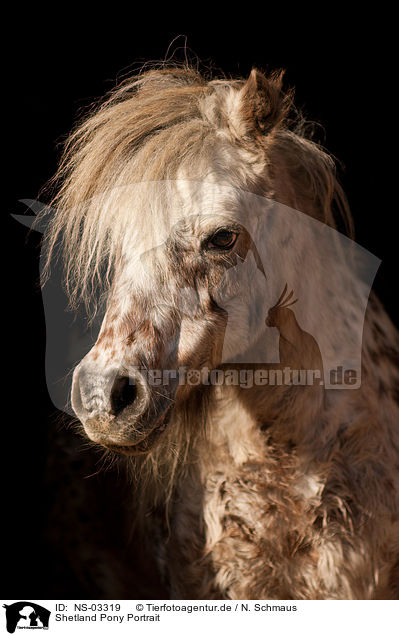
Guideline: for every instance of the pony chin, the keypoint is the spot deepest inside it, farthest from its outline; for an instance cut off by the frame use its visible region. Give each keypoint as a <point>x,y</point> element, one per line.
<point>142,447</point>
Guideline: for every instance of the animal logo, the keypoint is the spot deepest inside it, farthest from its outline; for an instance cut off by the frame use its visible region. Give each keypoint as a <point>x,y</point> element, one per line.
<point>298,349</point>
<point>25,615</point>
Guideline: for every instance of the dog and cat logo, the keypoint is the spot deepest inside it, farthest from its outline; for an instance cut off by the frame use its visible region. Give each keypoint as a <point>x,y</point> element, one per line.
<point>26,615</point>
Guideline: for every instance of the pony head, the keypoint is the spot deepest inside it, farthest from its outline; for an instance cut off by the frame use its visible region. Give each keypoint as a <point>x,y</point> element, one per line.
<point>150,211</point>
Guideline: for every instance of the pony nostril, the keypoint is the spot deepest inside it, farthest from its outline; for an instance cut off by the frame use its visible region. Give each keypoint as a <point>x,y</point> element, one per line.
<point>123,393</point>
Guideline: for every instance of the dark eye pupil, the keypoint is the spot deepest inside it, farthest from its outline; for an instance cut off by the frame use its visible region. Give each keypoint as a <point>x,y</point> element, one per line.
<point>223,239</point>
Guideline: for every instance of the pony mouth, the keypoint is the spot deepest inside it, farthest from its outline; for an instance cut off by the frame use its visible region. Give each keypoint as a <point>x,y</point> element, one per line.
<point>144,445</point>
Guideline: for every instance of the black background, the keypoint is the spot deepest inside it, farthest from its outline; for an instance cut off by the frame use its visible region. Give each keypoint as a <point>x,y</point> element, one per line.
<point>54,66</point>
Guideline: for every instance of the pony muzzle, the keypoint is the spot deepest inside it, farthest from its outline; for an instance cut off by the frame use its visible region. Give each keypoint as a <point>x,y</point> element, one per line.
<point>117,409</point>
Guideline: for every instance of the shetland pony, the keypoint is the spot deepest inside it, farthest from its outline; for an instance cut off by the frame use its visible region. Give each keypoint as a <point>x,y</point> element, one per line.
<point>284,492</point>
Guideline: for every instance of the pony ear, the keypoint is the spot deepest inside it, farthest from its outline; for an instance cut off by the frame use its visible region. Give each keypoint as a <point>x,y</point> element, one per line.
<point>263,105</point>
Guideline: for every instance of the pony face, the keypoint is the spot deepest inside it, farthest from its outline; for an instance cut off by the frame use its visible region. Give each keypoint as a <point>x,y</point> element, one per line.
<point>151,215</point>
<point>166,245</point>
<point>164,314</point>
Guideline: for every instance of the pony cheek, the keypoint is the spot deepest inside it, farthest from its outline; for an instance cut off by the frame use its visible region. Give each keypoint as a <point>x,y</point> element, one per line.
<point>191,341</point>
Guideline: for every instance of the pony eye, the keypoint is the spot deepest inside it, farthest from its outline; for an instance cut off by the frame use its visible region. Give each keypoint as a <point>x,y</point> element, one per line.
<point>223,240</point>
